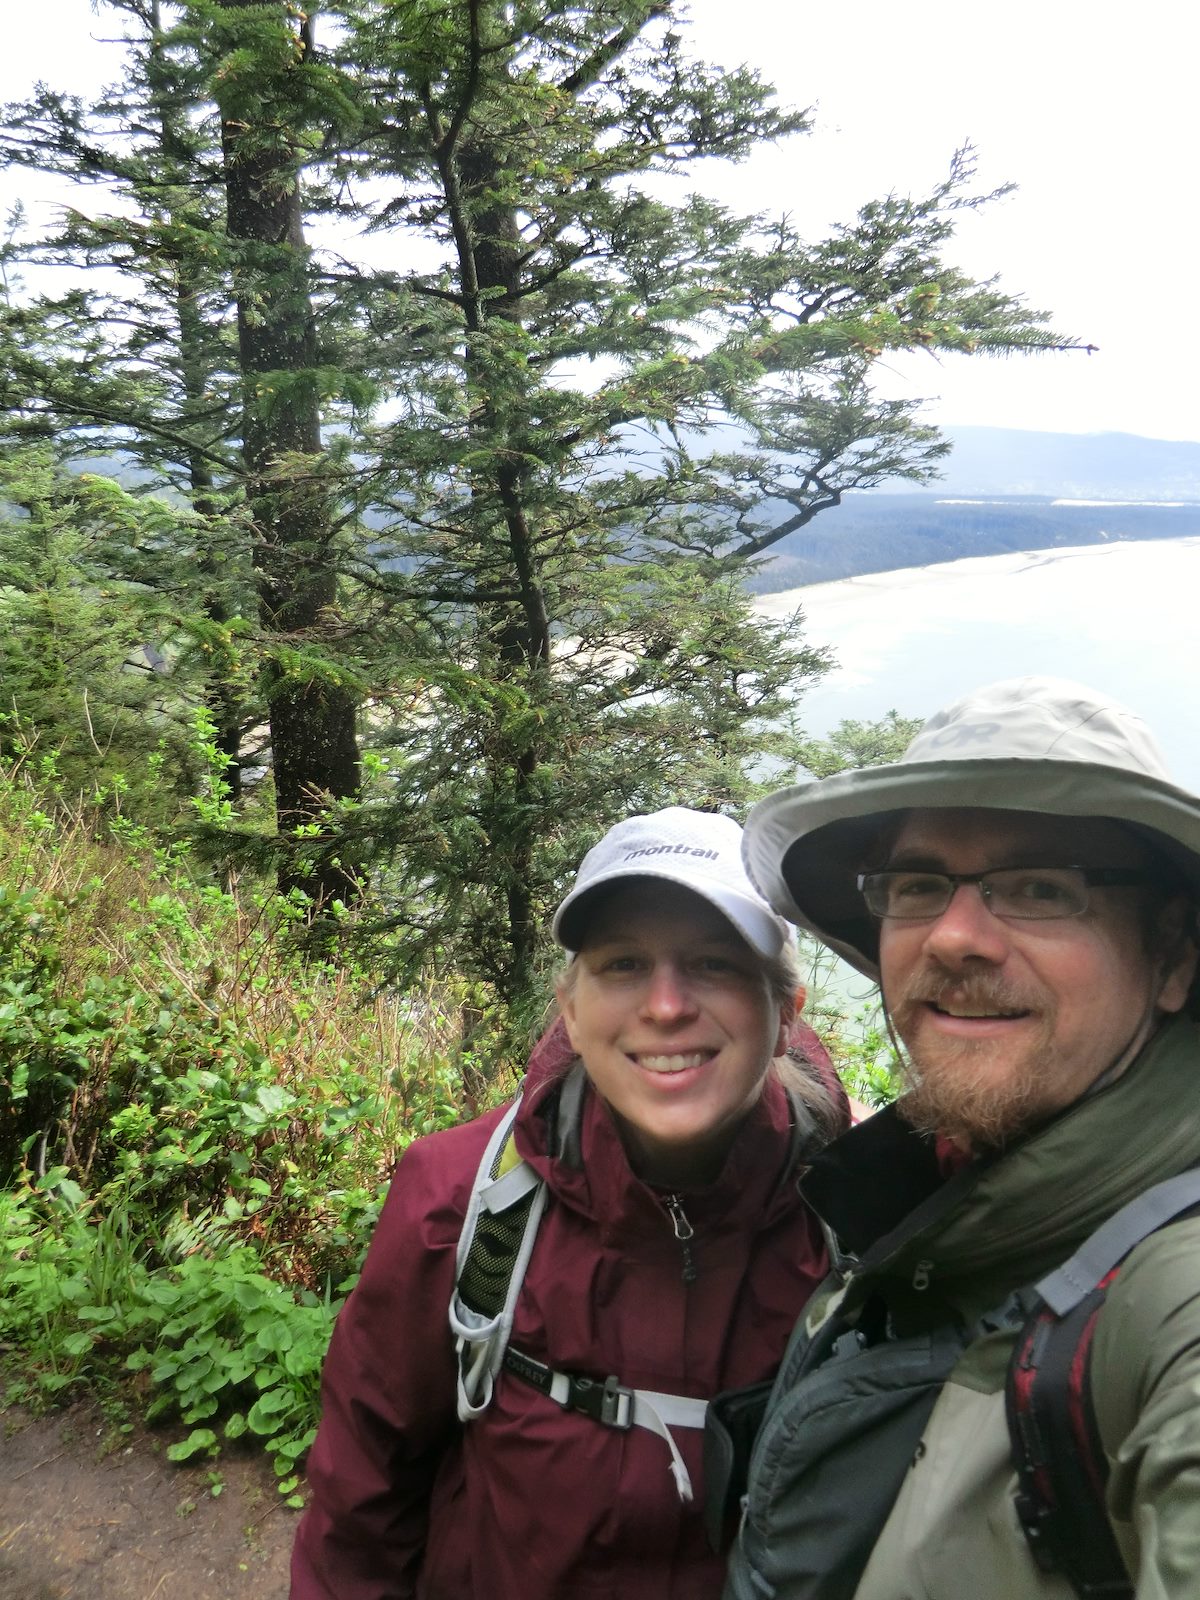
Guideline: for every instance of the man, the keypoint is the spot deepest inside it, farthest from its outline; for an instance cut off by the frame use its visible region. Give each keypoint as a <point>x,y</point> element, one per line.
<point>1023,883</point>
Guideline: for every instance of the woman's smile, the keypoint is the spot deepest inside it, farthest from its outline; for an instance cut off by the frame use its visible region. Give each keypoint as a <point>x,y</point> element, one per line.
<point>671,1013</point>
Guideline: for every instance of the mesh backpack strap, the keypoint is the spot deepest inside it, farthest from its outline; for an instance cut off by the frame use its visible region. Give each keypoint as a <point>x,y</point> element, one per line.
<point>1061,1467</point>
<point>506,1203</point>
<point>494,1248</point>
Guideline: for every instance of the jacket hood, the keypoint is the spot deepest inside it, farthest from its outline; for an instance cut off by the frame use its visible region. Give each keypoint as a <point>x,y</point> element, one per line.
<point>568,1135</point>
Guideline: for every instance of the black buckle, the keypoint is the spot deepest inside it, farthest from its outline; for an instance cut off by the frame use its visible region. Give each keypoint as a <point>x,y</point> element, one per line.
<point>606,1402</point>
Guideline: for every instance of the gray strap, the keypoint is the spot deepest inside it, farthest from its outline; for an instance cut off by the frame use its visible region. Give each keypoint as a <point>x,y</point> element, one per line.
<point>666,1410</point>
<point>1063,1289</point>
<point>507,1190</point>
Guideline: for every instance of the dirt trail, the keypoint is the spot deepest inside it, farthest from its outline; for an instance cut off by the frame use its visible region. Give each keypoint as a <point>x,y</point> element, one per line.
<point>88,1514</point>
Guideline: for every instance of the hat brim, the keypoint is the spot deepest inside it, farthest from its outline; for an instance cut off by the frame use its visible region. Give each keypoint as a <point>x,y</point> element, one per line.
<point>805,845</point>
<point>749,919</point>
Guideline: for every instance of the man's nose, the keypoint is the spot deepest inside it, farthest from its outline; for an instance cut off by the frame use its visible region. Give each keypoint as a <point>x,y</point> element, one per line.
<point>668,995</point>
<point>967,930</point>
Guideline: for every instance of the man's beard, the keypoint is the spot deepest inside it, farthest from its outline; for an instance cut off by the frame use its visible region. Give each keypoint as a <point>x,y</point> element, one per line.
<point>979,1093</point>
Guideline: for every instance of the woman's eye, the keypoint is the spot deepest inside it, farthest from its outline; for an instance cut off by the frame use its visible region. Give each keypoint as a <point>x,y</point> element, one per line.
<point>622,964</point>
<point>718,966</point>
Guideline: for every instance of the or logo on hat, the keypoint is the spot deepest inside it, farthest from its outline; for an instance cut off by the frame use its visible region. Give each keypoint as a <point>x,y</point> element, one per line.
<point>671,850</point>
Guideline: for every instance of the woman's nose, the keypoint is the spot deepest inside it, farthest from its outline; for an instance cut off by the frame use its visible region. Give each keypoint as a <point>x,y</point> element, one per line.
<point>668,994</point>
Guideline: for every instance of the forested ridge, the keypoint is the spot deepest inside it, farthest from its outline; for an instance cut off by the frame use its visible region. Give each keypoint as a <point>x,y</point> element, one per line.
<point>884,533</point>
<point>426,342</point>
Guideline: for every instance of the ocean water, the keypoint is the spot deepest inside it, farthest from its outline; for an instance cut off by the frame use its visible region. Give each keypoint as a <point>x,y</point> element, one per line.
<point>1122,617</point>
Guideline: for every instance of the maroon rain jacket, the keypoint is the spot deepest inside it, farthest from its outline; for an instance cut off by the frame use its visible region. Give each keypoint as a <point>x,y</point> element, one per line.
<point>532,1502</point>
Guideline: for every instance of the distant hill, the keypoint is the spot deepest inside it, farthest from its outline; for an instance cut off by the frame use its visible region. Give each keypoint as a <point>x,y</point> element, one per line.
<point>1002,489</point>
<point>1073,466</point>
<point>884,532</point>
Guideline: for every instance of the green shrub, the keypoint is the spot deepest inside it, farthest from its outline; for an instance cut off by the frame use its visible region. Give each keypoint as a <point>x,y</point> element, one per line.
<point>226,1349</point>
<point>197,1126</point>
<point>847,1012</point>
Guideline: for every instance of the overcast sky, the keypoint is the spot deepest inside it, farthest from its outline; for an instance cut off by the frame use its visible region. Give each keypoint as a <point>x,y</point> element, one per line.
<point>1088,106</point>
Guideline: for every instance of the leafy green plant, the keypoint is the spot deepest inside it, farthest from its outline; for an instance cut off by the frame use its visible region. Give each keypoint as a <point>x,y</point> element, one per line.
<point>227,1350</point>
<point>847,1012</point>
<point>230,1352</point>
<point>70,1274</point>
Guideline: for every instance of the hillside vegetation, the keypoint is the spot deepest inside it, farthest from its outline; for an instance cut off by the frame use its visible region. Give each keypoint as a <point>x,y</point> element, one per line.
<point>196,1124</point>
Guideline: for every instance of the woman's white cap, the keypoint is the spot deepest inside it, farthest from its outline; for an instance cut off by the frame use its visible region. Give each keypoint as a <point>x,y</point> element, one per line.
<point>697,849</point>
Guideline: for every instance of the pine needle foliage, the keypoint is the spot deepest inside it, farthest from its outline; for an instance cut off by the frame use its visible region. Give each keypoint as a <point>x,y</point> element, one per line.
<point>421,305</point>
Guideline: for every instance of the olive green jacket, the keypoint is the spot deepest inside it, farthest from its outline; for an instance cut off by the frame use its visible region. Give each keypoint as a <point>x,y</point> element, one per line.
<point>935,1251</point>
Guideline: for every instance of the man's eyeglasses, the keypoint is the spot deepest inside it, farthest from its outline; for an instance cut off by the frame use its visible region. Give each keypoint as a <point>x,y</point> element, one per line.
<point>1023,894</point>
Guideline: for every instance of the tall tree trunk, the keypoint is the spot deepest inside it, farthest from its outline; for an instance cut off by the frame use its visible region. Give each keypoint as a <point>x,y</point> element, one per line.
<point>488,244</point>
<point>312,717</point>
<point>195,371</point>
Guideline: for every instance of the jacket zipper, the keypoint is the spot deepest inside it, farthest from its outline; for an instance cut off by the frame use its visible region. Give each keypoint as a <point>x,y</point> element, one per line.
<point>684,1232</point>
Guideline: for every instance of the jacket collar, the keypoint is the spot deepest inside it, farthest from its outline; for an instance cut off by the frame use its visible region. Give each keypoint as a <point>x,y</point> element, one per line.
<point>568,1135</point>
<point>1005,1219</point>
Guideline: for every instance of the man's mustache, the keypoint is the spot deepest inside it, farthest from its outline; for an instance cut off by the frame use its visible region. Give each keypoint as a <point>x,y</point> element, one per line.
<point>974,992</point>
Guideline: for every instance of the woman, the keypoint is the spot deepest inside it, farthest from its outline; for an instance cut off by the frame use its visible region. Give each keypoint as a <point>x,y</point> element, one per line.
<point>671,1258</point>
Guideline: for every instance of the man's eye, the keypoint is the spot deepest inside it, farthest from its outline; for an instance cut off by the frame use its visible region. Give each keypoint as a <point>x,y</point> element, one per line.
<point>1045,888</point>
<point>916,886</point>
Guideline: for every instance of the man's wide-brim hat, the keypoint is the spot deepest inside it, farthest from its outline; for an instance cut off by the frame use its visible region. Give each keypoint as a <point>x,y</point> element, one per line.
<point>1026,744</point>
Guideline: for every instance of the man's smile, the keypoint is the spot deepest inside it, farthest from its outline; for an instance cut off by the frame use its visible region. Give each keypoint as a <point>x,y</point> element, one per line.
<point>999,1013</point>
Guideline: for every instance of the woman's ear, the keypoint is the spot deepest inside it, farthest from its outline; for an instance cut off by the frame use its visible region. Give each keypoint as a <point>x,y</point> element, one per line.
<point>788,1012</point>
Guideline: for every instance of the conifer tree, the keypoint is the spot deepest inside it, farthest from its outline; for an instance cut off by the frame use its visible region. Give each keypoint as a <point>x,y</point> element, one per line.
<point>607,401</point>
<point>88,700</point>
<point>262,85</point>
<point>198,365</point>
<point>500,453</point>
<point>130,364</point>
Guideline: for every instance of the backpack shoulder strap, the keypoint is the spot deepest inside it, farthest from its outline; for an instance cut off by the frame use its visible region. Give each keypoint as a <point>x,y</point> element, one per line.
<point>1056,1449</point>
<point>1112,1242</point>
<point>1060,1464</point>
<point>494,1247</point>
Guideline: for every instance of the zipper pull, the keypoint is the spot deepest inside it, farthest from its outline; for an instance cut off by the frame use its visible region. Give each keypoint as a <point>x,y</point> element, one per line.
<point>684,1232</point>
<point>920,1278</point>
